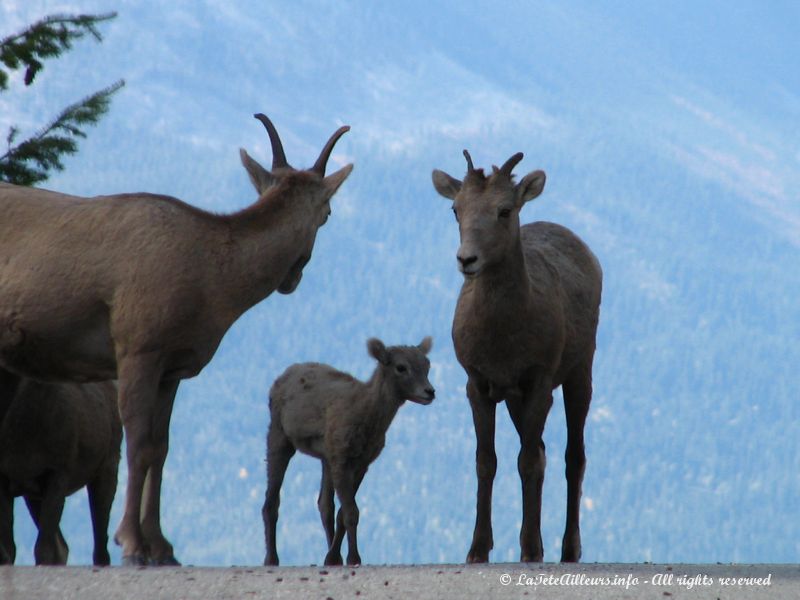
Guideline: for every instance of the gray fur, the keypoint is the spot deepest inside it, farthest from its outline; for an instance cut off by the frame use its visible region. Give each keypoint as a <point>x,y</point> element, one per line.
<point>525,323</point>
<point>342,421</point>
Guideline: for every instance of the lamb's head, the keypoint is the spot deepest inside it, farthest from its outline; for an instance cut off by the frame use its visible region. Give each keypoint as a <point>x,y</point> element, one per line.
<point>406,367</point>
<point>487,210</point>
<point>303,203</point>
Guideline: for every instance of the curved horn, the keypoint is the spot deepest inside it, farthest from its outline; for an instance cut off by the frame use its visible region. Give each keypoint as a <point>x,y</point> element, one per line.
<point>322,161</point>
<point>509,165</point>
<point>470,166</point>
<point>278,156</point>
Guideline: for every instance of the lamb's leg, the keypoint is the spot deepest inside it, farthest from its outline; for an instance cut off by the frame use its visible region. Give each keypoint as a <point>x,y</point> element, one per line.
<point>62,549</point>
<point>346,483</point>
<point>159,549</point>
<point>483,418</point>
<point>8,550</point>
<point>138,378</point>
<point>46,551</point>
<point>529,413</point>
<point>101,493</point>
<point>279,452</point>
<point>325,502</point>
<point>577,396</point>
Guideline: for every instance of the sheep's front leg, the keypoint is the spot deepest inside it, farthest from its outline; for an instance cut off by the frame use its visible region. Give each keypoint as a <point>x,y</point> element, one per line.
<point>483,418</point>
<point>325,502</point>
<point>8,550</point>
<point>529,413</point>
<point>101,494</point>
<point>137,396</point>
<point>346,483</point>
<point>160,552</point>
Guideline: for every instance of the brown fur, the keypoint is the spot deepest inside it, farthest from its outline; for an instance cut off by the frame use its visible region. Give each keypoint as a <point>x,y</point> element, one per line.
<point>141,288</point>
<point>342,421</point>
<point>56,438</point>
<point>525,323</point>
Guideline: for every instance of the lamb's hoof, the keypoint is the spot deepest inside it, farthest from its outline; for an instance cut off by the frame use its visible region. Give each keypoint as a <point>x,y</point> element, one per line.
<point>134,560</point>
<point>531,558</point>
<point>475,557</point>
<point>167,561</point>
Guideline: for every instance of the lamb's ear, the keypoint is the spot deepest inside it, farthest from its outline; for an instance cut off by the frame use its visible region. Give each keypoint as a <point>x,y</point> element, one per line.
<point>334,180</point>
<point>378,351</point>
<point>426,344</point>
<point>261,179</point>
<point>446,185</point>
<point>530,186</point>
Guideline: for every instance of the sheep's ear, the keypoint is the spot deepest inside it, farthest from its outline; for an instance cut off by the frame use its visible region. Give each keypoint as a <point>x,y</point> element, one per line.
<point>530,186</point>
<point>261,179</point>
<point>426,344</point>
<point>446,185</point>
<point>378,351</point>
<point>334,180</point>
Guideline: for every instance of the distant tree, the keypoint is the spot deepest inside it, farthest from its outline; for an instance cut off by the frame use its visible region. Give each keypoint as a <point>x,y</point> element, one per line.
<point>32,160</point>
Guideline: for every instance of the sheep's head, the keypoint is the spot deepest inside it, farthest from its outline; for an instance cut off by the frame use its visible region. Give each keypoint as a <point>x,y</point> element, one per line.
<point>407,367</point>
<point>487,210</point>
<point>305,195</point>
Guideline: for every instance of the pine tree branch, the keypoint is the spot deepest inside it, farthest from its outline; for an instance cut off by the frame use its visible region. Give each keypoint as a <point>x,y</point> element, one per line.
<point>44,39</point>
<point>30,161</point>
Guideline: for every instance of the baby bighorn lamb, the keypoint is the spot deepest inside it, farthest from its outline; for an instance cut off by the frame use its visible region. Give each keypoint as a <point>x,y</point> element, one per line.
<point>56,438</point>
<point>342,421</point>
<point>525,323</point>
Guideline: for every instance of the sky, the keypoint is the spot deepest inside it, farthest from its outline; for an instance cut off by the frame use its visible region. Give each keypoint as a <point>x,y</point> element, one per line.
<point>671,140</point>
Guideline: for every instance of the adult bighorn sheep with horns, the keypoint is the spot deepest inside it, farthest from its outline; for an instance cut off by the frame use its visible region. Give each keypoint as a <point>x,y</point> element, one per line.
<point>525,323</point>
<point>141,288</point>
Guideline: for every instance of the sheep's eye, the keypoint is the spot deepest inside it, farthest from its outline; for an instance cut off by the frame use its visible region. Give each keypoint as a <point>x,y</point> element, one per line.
<point>401,368</point>
<point>504,213</point>
<point>455,212</point>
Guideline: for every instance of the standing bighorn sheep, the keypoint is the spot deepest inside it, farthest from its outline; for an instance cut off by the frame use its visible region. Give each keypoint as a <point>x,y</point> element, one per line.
<point>56,438</point>
<point>342,421</point>
<point>141,288</point>
<point>525,323</point>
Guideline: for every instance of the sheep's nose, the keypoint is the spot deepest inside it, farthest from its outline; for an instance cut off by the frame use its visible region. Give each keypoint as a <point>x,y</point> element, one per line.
<point>431,392</point>
<point>467,260</point>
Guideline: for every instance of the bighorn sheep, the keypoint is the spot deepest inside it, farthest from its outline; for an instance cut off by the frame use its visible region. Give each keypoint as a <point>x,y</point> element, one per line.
<point>525,323</point>
<point>141,288</point>
<point>56,438</point>
<point>342,421</point>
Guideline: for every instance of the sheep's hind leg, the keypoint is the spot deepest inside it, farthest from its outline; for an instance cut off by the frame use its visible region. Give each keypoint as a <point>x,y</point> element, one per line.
<point>62,549</point>
<point>577,396</point>
<point>8,550</point>
<point>279,452</point>
<point>529,413</point>
<point>46,551</point>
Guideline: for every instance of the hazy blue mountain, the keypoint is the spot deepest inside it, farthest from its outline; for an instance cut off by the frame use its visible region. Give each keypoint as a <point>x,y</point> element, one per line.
<point>671,140</point>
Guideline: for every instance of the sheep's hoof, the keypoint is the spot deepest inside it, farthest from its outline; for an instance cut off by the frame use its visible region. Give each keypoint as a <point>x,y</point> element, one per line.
<point>167,561</point>
<point>134,560</point>
<point>333,560</point>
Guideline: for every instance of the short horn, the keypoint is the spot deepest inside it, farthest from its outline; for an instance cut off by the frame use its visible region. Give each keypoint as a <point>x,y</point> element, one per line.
<point>509,165</point>
<point>278,156</point>
<point>322,161</point>
<point>470,166</point>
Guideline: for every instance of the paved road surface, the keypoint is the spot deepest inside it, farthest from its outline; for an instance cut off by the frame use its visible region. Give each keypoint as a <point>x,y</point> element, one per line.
<point>422,582</point>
